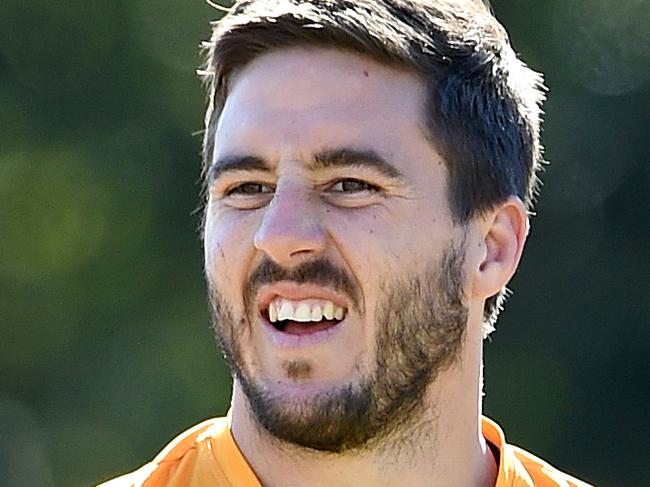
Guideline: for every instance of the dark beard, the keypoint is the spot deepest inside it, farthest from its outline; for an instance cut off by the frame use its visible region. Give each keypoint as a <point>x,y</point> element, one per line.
<point>420,331</point>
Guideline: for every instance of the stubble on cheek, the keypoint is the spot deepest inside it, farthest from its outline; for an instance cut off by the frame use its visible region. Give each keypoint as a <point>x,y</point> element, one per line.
<point>228,331</point>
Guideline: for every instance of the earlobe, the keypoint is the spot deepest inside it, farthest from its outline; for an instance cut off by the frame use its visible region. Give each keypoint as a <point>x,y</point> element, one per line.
<point>503,232</point>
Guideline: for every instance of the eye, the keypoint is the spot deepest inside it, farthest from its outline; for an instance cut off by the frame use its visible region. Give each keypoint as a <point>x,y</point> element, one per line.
<point>249,189</point>
<point>248,195</point>
<point>351,185</point>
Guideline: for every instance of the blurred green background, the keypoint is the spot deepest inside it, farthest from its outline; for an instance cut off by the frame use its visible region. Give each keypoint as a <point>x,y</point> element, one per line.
<point>105,351</point>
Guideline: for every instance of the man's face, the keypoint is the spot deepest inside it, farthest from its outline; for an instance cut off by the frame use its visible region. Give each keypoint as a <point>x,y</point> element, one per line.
<point>334,269</point>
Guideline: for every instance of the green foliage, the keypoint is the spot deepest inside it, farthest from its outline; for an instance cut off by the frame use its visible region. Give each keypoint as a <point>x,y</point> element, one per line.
<point>105,350</point>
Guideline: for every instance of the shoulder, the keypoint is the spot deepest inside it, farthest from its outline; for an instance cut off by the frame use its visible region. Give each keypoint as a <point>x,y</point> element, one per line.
<point>539,472</point>
<point>519,468</point>
<point>180,459</point>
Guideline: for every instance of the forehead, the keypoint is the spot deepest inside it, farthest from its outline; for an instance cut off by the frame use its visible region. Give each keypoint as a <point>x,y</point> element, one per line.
<point>301,100</point>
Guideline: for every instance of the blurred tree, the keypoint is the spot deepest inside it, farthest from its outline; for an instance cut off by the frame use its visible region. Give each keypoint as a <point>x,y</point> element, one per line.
<point>105,347</point>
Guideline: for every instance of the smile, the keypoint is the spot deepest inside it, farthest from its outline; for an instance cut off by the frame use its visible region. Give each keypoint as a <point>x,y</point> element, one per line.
<point>304,316</point>
<point>304,311</point>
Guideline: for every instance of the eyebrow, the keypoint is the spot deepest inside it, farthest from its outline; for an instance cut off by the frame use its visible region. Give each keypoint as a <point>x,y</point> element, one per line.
<point>329,158</point>
<point>236,163</point>
<point>345,157</point>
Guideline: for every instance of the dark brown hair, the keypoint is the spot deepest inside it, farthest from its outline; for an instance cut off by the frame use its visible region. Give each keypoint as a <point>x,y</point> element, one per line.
<point>484,104</point>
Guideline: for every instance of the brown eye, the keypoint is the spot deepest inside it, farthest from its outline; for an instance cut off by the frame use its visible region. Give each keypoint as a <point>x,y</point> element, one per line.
<point>250,189</point>
<point>352,186</point>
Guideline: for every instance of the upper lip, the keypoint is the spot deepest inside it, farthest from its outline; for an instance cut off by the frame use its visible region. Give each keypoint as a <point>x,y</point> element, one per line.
<point>296,292</point>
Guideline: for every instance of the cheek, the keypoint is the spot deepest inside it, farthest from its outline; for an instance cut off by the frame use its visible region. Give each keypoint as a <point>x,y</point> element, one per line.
<point>227,247</point>
<point>373,233</point>
<point>368,241</point>
<point>381,241</point>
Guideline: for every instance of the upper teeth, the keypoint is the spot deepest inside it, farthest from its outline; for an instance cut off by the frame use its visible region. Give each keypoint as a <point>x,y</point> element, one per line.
<point>304,310</point>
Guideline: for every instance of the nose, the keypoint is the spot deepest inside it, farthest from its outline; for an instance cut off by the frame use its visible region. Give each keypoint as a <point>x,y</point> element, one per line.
<point>291,229</point>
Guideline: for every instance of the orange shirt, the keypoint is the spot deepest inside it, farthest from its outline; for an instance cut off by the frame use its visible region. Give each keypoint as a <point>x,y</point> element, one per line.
<point>207,456</point>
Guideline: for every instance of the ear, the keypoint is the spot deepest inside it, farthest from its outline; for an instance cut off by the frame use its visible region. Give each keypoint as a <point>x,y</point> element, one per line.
<point>502,234</point>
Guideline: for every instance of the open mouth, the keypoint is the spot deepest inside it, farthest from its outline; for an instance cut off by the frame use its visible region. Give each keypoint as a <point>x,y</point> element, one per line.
<point>303,317</point>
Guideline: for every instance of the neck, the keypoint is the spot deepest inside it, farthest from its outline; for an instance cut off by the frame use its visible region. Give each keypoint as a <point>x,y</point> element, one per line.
<point>444,447</point>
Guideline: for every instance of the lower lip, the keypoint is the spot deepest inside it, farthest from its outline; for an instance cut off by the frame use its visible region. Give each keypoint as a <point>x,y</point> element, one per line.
<point>289,340</point>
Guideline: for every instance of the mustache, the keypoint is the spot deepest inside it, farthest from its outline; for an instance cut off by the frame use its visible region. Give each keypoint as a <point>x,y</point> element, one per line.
<point>319,271</point>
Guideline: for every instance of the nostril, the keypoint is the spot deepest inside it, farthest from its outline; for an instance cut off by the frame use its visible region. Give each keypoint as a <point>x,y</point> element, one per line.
<point>301,252</point>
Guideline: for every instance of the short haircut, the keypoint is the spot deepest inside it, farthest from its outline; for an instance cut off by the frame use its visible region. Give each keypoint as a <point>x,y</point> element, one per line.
<point>483,110</point>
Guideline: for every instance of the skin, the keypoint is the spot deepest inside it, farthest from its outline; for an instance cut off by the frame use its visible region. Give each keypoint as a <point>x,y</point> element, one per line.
<point>283,108</point>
